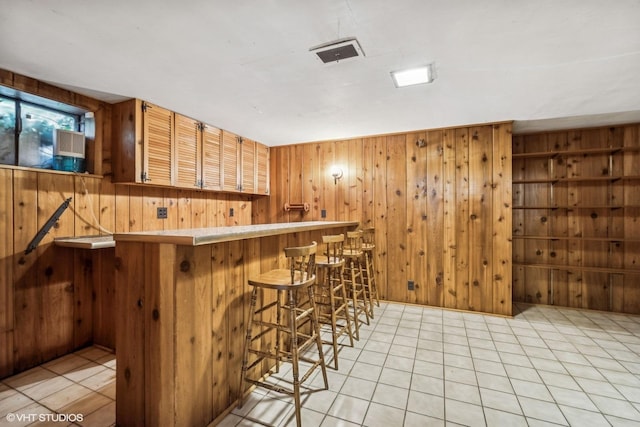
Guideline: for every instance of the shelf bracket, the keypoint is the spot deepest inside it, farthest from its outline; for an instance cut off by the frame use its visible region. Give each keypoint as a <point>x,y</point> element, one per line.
<point>47,226</point>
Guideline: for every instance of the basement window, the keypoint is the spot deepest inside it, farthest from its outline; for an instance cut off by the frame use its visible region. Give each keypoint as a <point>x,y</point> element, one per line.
<point>27,125</point>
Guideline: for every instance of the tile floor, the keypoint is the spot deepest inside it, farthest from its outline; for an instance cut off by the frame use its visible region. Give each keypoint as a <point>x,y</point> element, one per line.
<point>80,384</point>
<point>416,366</point>
<point>413,366</point>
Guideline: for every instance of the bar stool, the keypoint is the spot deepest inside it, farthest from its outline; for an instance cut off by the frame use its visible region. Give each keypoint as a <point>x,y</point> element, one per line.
<point>368,247</point>
<point>300,276</point>
<point>354,279</point>
<point>332,294</point>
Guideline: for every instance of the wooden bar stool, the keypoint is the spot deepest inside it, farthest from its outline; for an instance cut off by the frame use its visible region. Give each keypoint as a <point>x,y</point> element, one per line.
<point>354,279</point>
<point>368,247</point>
<point>300,276</point>
<point>331,297</point>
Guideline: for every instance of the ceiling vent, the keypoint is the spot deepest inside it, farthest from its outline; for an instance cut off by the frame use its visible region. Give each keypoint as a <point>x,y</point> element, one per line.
<point>338,50</point>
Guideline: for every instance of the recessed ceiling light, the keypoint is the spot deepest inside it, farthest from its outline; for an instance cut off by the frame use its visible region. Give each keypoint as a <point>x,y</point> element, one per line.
<point>413,76</point>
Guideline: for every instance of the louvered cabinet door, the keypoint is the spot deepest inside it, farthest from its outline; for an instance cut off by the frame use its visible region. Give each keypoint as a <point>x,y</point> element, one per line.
<point>262,169</point>
<point>211,165</point>
<point>188,152</point>
<point>230,162</point>
<point>248,166</point>
<point>157,129</point>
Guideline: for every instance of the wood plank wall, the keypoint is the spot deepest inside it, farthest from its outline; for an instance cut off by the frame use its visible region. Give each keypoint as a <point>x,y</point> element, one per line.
<point>55,300</point>
<point>441,208</point>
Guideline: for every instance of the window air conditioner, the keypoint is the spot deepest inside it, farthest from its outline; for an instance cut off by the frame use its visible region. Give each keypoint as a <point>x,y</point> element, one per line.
<point>68,143</point>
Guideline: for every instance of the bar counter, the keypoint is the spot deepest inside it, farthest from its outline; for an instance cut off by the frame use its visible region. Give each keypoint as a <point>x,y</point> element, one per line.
<point>182,302</point>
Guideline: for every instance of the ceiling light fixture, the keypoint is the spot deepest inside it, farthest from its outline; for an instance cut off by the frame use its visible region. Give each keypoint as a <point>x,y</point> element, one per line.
<point>413,76</point>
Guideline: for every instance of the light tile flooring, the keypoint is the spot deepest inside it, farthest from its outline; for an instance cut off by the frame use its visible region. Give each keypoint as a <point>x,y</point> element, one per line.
<point>416,366</point>
<point>413,366</point>
<point>81,384</point>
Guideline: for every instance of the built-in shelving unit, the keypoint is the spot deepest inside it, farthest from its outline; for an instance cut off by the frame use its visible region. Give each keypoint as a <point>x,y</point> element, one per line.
<point>576,218</point>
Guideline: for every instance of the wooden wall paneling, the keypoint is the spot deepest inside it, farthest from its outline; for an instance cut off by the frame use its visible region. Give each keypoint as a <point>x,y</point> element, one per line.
<point>137,204</point>
<point>462,183</point>
<point>380,213</point>
<point>122,201</point>
<point>241,206</point>
<point>236,288</point>
<point>435,218</point>
<point>104,288</point>
<point>631,167</point>
<point>193,294</point>
<point>310,177</point>
<point>184,210</point>
<point>416,216</point>
<point>368,178</point>
<point>6,272</point>
<point>342,189</point>
<point>396,217</point>
<point>480,205</point>
<point>107,206</point>
<point>54,283</point>
<point>328,188</point>
<point>86,205</point>
<point>170,201</point>
<point>355,180</point>
<point>219,326</point>
<point>84,289</point>
<point>159,333</point>
<point>449,176</point>
<point>558,218</point>
<point>502,226</point>
<point>296,177</point>
<point>103,140</point>
<point>130,333</point>
<point>198,205</point>
<point>280,188</point>
<point>153,198</point>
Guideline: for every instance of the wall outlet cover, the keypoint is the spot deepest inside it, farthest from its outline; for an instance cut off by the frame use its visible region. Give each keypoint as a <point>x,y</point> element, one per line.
<point>162,213</point>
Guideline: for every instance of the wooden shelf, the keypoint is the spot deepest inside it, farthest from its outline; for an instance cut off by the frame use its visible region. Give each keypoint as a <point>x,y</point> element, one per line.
<point>612,207</point>
<point>584,151</point>
<point>565,267</point>
<point>573,179</point>
<point>587,239</point>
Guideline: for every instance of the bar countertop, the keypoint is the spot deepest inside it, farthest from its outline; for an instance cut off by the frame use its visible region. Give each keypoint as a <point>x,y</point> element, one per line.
<point>205,236</point>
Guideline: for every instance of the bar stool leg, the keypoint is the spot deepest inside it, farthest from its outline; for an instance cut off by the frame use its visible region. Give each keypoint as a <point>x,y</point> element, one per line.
<point>315,324</point>
<point>293,324</point>
<point>247,344</point>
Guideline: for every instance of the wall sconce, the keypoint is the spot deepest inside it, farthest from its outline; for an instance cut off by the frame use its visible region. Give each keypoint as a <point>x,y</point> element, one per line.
<point>336,173</point>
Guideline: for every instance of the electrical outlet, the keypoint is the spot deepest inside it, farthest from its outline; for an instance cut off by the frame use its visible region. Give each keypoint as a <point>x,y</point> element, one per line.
<point>323,213</point>
<point>411,285</point>
<point>230,212</point>
<point>162,213</point>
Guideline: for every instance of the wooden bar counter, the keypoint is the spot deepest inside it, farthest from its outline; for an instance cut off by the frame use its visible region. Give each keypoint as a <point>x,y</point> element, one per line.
<point>182,302</point>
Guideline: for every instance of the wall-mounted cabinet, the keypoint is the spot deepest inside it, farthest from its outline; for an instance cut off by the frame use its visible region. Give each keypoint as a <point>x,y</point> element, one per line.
<point>144,142</point>
<point>197,161</point>
<point>245,165</point>
<point>155,146</point>
<point>576,211</point>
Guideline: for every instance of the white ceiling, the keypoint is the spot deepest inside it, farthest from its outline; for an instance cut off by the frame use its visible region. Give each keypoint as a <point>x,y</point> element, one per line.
<point>245,65</point>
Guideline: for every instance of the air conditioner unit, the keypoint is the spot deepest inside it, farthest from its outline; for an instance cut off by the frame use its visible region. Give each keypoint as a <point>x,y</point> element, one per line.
<point>68,150</point>
<point>68,143</point>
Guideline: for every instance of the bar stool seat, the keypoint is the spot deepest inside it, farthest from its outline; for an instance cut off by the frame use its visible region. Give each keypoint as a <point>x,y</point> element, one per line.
<point>300,276</point>
<point>332,294</point>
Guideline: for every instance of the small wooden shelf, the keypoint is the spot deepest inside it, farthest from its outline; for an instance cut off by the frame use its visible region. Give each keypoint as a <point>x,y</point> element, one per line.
<point>612,207</point>
<point>565,267</point>
<point>587,239</point>
<point>573,179</point>
<point>584,151</point>
<point>86,242</point>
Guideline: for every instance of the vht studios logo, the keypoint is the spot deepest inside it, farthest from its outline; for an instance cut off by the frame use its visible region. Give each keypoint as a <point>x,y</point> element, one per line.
<point>55,418</point>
